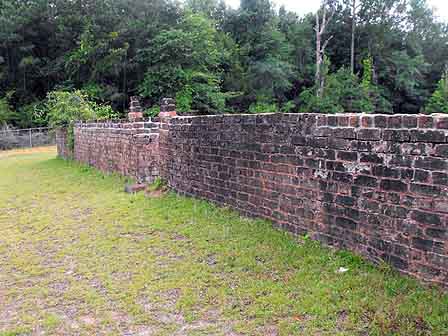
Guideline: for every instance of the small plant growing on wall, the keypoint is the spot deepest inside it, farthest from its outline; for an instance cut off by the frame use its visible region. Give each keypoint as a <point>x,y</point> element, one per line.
<point>66,107</point>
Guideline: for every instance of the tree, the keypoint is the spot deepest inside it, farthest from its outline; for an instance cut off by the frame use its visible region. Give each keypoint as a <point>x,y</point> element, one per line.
<point>185,62</point>
<point>354,7</point>
<point>320,28</point>
<point>438,103</point>
<point>343,92</point>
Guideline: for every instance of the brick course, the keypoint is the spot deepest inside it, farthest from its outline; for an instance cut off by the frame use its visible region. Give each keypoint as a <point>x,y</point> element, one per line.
<point>374,184</point>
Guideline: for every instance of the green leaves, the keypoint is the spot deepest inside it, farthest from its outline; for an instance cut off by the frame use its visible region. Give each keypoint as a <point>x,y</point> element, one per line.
<point>66,107</point>
<point>185,62</point>
<point>438,103</point>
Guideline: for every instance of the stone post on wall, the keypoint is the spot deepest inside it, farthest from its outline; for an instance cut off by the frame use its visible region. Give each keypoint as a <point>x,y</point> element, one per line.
<point>167,108</point>
<point>135,110</point>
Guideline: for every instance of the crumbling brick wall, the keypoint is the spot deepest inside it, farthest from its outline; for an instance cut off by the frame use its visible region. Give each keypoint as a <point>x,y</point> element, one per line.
<point>374,184</point>
<point>127,148</point>
<point>62,144</point>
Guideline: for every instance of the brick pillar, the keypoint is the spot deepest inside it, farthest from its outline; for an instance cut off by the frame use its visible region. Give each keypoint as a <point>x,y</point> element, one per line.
<point>135,110</point>
<point>167,108</point>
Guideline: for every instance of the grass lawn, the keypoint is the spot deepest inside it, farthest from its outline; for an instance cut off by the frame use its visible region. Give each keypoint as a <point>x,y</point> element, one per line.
<point>78,256</point>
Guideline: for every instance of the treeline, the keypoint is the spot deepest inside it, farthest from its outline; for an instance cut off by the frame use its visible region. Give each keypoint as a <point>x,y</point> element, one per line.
<point>353,55</point>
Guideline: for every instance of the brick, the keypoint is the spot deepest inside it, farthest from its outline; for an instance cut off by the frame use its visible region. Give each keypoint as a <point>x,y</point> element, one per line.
<point>347,156</point>
<point>354,121</point>
<point>396,135</point>
<point>384,171</point>
<point>366,181</point>
<point>380,121</point>
<point>431,163</point>
<point>436,233</point>
<point>422,244</point>
<point>369,134</point>
<point>394,121</point>
<point>425,189</point>
<point>401,161</point>
<point>409,121</point>
<point>421,175</point>
<point>426,217</point>
<point>345,200</point>
<point>425,122</point>
<point>342,177</point>
<point>441,150</point>
<point>440,178</point>
<point>367,121</point>
<point>371,158</point>
<point>395,211</point>
<point>441,122</point>
<point>427,136</point>
<point>346,223</point>
<point>393,185</point>
<point>344,133</point>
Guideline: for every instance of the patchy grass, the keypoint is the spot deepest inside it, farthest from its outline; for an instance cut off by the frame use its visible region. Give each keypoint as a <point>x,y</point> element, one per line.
<point>80,257</point>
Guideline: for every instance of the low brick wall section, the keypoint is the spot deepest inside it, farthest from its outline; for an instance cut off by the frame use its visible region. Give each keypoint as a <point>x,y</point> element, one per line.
<point>374,184</point>
<point>62,144</point>
<point>127,148</point>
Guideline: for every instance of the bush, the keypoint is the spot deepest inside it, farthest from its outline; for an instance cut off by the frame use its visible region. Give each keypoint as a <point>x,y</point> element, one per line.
<point>152,112</point>
<point>438,103</point>
<point>64,108</point>
<point>7,115</point>
<point>343,92</point>
<point>263,105</point>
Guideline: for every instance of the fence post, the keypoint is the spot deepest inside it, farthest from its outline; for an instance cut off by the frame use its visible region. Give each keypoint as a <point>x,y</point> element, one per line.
<point>31,139</point>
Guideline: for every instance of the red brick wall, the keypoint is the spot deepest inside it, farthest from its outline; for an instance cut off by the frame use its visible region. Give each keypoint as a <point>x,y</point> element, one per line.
<point>63,147</point>
<point>374,184</point>
<point>130,149</point>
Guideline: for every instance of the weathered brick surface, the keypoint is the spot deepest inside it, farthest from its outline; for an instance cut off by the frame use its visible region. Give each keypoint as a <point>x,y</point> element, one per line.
<point>62,145</point>
<point>374,184</point>
<point>128,148</point>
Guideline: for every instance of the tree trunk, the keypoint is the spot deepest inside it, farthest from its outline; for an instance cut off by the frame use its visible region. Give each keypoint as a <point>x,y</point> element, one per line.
<point>352,48</point>
<point>320,28</point>
<point>318,56</point>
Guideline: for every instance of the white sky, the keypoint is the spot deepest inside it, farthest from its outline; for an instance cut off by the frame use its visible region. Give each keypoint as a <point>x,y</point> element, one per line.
<point>306,6</point>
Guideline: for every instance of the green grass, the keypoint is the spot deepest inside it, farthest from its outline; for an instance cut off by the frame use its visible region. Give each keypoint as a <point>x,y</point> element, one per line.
<point>78,256</point>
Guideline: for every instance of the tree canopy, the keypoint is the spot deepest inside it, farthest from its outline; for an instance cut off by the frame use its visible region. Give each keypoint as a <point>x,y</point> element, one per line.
<point>381,56</point>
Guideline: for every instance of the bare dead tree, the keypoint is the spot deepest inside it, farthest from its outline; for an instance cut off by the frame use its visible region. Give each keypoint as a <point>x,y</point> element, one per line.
<point>321,26</point>
<point>354,8</point>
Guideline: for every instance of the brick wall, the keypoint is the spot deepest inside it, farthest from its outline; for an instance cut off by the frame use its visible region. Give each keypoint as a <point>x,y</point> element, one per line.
<point>127,148</point>
<point>374,184</point>
<point>63,147</point>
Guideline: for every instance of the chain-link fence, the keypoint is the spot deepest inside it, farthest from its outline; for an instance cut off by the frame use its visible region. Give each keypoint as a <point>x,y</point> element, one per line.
<point>23,138</point>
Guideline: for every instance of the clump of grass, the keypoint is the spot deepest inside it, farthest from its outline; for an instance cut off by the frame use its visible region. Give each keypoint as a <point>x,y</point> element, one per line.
<point>158,185</point>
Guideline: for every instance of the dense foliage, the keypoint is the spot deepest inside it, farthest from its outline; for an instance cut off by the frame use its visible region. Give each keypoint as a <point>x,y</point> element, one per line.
<point>438,103</point>
<point>64,108</point>
<point>214,59</point>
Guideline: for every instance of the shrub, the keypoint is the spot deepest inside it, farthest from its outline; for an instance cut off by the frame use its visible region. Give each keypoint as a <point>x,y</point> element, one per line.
<point>438,103</point>
<point>152,111</point>
<point>263,105</point>
<point>64,108</point>
<point>343,92</point>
